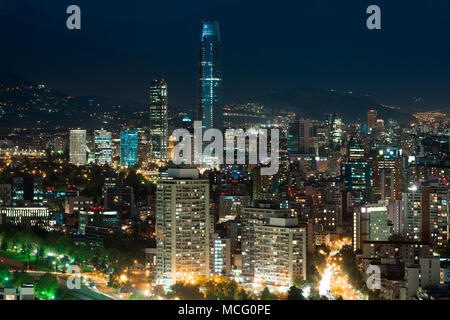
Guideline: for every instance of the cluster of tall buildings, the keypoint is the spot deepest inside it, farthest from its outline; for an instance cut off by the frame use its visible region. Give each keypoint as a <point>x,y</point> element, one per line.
<point>382,184</point>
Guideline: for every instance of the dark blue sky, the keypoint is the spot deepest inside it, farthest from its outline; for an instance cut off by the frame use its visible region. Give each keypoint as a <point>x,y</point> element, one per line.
<point>267,46</point>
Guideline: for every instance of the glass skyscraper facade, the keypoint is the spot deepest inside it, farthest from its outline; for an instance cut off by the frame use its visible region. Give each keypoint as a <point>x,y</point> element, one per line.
<point>129,148</point>
<point>210,79</point>
<point>103,146</point>
<point>159,127</point>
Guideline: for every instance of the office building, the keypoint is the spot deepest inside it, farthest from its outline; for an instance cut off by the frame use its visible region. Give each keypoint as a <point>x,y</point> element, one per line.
<point>371,119</point>
<point>120,199</point>
<point>387,173</point>
<point>370,223</point>
<point>128,148</point>
<point>210,78</point>
<point>77,204</point>
<point>357,176</point>
<point>96,224</point>
<point>26,216</point>
<point>103,147</point>
<point>159,127</point>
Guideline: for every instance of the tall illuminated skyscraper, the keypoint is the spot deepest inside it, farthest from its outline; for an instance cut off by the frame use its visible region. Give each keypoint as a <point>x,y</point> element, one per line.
<point>77,147</point>
<point>103,146</point>
<point>371,119</point>
<point>129,148</point>
<point>159,127</point>
<point>210,79</point>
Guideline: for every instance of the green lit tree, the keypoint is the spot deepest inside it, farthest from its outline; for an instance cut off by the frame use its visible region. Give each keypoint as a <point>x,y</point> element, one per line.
<point>46,287</point>
<point>5,275</point>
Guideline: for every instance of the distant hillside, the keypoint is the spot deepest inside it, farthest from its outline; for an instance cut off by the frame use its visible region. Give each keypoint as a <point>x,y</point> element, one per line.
<point>314,103</point>
<point>24,104</point>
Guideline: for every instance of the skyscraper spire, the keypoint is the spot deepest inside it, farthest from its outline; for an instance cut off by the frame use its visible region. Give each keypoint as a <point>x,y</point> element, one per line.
<point>210,81</point>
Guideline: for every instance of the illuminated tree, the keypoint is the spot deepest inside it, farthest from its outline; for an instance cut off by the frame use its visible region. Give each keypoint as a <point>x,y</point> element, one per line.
<point>5,275</point>
<point>46,287</point>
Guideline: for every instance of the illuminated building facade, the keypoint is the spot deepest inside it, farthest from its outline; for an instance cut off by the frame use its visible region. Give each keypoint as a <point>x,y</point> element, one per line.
<point>26,216</point>
<point>337,131</point>
<point>426,215</point>
<point>78,147</point>
<point>103,146</point>
<point>159,127</point>
<point>96,223</point>
<point>357,176</point>
<point>129,148</point>
<point>302,137</point>
<point>387,174</point>
<point>370,223</point>
<point>182,226</point>
<point>251,218</point>
<point>371,119</point>
<point>220,255</point>
<point>210,78</point>
<point>280,252</point>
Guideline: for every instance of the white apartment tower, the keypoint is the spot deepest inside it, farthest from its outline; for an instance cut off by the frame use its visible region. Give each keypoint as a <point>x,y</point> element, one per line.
<point>182,226</point>
<point>280,252</point>
<point>78,147</point>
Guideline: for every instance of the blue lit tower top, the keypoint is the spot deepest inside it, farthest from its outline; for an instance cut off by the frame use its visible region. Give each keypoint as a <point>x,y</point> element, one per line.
<point>210,81</point>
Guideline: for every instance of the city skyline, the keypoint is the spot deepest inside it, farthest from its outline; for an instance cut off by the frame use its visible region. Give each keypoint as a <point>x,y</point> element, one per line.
<point>200,192</point>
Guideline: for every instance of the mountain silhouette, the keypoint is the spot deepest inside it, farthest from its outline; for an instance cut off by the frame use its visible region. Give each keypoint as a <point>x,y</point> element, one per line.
<point>315,103</point>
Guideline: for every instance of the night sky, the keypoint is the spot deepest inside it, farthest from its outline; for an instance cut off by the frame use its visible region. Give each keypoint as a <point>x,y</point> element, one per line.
<point>267,46</point>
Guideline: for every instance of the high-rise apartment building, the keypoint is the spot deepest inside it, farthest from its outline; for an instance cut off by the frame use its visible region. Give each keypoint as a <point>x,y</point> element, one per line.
<point>78,147</point>
<point>426,215</point>
<point>251,218</point>
<point>280,252</point>
<point>182,226</point>
<point>159,127</point>
<point>220,255</point>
